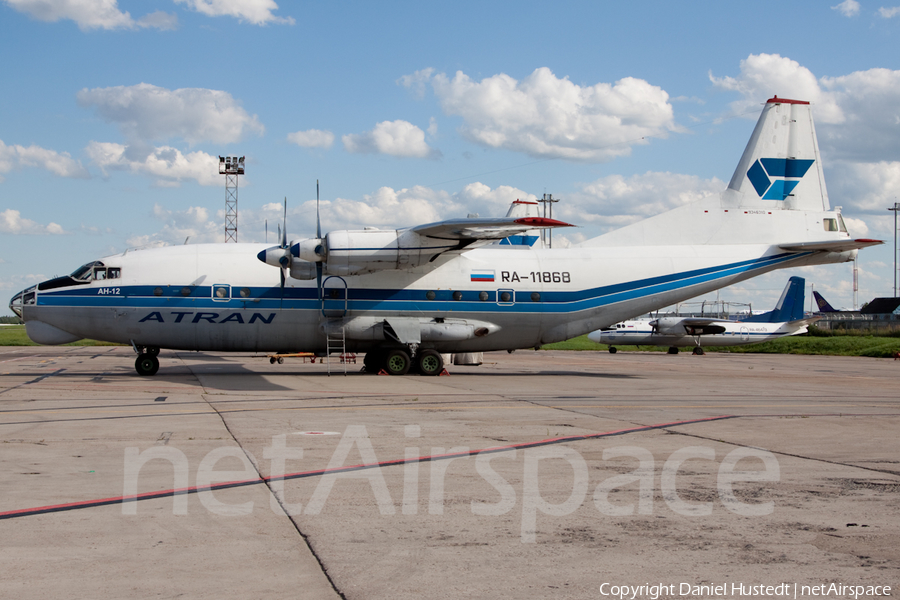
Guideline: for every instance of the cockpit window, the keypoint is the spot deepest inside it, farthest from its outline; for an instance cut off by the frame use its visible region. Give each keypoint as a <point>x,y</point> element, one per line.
<point>830,224</point>
<point>85,272</point>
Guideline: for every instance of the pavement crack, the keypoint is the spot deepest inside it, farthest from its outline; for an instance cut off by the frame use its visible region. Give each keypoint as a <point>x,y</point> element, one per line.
<point>789,454</point>
<point>268,485</point>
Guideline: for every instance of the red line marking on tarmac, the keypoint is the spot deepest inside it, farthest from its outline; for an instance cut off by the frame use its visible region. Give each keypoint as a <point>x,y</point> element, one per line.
<point>24,512</point>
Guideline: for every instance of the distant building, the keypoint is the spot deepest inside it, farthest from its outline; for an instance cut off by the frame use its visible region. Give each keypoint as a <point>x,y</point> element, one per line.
<point>880,313</point>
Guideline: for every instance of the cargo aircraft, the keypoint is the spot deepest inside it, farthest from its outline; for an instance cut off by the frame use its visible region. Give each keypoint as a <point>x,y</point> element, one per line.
<point>405,296</point>
<point>786,319</point>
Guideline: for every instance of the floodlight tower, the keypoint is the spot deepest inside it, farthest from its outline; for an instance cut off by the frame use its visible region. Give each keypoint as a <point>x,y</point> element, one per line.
<point>547,234</point>
<point>231,167</point>
<point>895,208</point>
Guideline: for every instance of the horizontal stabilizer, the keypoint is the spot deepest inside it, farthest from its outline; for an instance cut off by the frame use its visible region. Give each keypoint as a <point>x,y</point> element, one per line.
<point>830,246</point>
<point>484,229</point>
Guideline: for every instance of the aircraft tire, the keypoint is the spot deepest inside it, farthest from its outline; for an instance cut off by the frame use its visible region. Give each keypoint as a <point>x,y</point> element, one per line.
<point>430,362</point>
<point>613,350</point>
<point>672,350</point>
<point>146,364</point>
<point>152,350</point>
<point>374,360</point>
<point>397,363</point>
<point>698,351</point>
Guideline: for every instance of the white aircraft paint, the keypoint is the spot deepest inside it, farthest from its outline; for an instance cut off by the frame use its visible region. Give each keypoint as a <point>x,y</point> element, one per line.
<point>449,287</point>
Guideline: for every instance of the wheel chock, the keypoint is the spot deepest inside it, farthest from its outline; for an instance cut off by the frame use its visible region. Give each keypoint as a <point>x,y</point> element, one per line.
<point>383,372</point>
<point>444,372</point>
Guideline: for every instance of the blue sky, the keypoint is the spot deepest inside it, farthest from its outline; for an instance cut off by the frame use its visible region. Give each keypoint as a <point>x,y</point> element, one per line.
<point>113,113</point>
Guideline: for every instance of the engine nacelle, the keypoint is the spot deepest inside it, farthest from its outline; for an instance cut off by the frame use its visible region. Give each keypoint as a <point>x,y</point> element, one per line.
<point>354,252</point>
<point>669,326</point>
<point>300,269</point>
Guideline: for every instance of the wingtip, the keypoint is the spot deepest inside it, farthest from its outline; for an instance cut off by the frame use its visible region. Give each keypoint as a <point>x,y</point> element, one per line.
<point>542,222</point>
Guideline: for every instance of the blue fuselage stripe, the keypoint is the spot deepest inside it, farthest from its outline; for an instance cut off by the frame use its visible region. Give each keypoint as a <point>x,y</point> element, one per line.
<point>407,299</point>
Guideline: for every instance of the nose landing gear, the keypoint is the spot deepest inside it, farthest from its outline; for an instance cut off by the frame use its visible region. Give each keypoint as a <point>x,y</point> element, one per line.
<point>147,363</point>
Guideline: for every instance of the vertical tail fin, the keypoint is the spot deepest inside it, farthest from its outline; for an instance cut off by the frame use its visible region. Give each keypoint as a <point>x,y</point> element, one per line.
<point>532,237</point>
<point>780,168</point>
<point>789,307</point>
<point>822,303</point>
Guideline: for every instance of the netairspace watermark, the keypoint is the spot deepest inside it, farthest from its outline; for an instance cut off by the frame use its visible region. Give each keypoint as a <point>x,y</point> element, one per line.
<point>566,463</point>
<point>737,590</point>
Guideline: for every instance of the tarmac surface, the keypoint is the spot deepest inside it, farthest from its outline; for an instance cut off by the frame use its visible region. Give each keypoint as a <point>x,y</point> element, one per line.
<point>225,476</point>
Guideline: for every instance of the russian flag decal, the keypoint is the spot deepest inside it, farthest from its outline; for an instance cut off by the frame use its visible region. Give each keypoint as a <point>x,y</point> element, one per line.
<point>483,276</point>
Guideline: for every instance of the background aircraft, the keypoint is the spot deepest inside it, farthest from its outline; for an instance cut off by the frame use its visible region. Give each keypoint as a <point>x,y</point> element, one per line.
<point>675,332</point>
<point>405,296</point>
<point>822,303</point>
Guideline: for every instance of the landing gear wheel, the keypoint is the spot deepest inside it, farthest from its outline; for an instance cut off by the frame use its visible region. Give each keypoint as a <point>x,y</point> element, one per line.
<point>430,362</point>
<point>673,350</point>
<point>397,363</point>
<point>698,351</point>
<point>613,350</point>
<point>374,360</point>
<point>146,364</point>
<point>152,350</point>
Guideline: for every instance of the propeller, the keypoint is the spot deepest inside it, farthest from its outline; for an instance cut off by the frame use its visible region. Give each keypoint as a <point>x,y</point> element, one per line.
<point>284,260</point>
<point>318,237</point>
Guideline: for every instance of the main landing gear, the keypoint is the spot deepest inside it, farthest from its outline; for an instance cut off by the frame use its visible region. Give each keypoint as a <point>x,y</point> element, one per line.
<point>397,361</point>
<point>147,362</point>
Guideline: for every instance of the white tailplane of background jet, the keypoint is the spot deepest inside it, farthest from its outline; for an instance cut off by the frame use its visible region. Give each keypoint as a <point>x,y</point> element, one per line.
<point>405,296</point>
<point>674,331</point>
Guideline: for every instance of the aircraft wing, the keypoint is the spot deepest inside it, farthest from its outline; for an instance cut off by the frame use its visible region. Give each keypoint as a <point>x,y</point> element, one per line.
<point>700,326</point>
<point>484,229</point>
<point>830,246</point>
<point>688,325</point>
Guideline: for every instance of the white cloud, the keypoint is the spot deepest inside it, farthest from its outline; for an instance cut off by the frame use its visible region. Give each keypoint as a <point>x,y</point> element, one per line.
<point>159,20</point>
<point>168,166</point>
<point>615,201</point>
<point>544,116</point>
<point>91,14</point>
<point>11,222</point>
<point>864,187</point>
<point>396,138</point>
<point>386,208</point>
<point>59,163</point>
<point>417,82</point>
<point>848,8</point>
<point>257,12</point>
<point>19,282</point>
<point>312,138</point>
<point>889,13</point>
<point>194,223</point>
<point>148,112</point>
<point>857,115</point>
<point>856,227</point>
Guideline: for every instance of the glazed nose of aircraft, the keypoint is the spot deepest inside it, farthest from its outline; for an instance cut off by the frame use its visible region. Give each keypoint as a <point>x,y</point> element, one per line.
<point>20,300</point>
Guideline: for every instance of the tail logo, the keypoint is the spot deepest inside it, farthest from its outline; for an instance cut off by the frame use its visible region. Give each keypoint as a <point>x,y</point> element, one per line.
<point>776,178</point>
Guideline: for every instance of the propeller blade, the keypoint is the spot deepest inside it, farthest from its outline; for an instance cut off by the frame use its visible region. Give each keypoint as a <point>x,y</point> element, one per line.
<point>319,280</point>
<point>318,223</point>
<point>284,229</point>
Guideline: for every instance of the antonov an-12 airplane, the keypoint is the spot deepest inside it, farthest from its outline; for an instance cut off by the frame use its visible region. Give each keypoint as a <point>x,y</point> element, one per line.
<point>674,332</point>
<point>405,296</point>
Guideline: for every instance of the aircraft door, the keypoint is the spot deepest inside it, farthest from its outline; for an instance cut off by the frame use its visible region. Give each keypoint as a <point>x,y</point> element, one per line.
<point>745,334</point>
<point>334,297</point>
